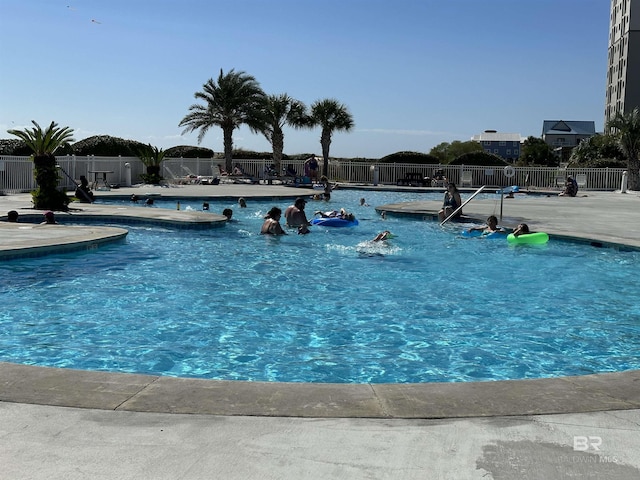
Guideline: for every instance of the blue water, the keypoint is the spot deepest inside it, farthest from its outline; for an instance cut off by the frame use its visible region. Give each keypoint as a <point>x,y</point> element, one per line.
<point>228,303</point>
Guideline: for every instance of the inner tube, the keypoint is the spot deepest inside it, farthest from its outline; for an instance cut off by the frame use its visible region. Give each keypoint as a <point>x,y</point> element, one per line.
<point>334,222</point>
<point>537,238</point>
<point>511,189</point>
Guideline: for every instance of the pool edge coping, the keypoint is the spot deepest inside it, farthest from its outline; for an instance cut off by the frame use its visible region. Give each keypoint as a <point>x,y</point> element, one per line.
<point>176,395</point>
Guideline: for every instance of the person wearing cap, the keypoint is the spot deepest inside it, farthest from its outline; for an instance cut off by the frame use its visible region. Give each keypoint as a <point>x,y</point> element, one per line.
<point>295,215</point>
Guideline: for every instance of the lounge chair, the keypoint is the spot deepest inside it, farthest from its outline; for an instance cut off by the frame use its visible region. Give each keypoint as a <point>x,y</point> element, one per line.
<point>177,178</point>
<point>237,176</point>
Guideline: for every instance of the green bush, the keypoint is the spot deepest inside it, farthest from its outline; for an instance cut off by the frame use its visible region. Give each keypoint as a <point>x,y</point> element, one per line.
<point>479,159</point>
<point>106,146</point>
<point>410,157</point>
<point>604,163</point>
<point>15,147</point>
<point>251,155</point>
<point>187,151</point>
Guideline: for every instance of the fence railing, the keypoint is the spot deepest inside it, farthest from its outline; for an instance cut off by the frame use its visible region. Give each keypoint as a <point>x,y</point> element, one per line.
<point>16,173</point>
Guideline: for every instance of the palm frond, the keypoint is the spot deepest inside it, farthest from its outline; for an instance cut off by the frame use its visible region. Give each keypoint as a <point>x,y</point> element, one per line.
<point>43,142</point>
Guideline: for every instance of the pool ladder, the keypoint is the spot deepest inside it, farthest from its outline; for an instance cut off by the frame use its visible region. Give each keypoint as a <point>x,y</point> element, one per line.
<point>463,204</point>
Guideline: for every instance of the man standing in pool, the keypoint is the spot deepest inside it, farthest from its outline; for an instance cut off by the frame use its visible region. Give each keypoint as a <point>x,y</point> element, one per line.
<point>295,214</point>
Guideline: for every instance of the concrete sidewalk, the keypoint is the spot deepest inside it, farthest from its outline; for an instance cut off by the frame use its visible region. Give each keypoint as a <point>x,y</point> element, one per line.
<point>42,442</point>
<point>122,429</point>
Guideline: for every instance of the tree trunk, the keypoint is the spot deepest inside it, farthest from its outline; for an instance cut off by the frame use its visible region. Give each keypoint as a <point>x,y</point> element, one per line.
<point>633,167</point>
<point>228,148</point>
<point>325,142</point>
<point>277,143</point>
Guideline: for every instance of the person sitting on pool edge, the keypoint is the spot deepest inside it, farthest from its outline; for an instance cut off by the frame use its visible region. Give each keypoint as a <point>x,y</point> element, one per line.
<point>521,229</point>
<point>271,225</point>
<point>490,227</point>
<point>570,188</point>
<point>451,202</point>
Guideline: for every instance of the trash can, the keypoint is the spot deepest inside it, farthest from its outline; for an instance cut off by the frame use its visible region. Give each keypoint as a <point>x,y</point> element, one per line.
<point>375,170</point>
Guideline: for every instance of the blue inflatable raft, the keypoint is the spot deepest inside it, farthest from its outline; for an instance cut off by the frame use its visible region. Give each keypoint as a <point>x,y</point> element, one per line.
<point>334,222</point>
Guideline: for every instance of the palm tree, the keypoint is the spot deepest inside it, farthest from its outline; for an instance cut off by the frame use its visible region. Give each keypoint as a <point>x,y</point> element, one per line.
<point>43,144</point>
<point>234,100</point>
<point>281,110</point>
<point>626,127</point>
<point>330,115</point>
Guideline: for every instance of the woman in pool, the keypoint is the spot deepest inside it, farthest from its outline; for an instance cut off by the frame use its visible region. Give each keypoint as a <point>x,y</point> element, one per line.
<point>271,225</point>
<point>521,229</point>
<point>451,202</point>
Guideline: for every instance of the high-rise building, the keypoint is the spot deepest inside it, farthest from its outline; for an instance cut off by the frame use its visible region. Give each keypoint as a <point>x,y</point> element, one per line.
<point>623,73</point>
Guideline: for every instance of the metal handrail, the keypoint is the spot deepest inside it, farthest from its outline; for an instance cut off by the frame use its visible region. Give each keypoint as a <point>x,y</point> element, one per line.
<point>463,204</point>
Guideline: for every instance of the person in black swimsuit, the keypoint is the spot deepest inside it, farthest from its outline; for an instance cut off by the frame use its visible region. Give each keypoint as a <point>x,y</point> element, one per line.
<point>450,203</point>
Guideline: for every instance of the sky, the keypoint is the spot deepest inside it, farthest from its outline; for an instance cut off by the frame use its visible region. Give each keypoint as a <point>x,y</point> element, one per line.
<point>413,73</point>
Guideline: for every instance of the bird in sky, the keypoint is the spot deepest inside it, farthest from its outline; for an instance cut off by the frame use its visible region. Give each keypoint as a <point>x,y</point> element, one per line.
<point>95,21</point>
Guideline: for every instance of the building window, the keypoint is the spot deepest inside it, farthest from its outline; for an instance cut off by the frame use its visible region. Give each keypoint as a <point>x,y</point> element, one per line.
<point>495,150</point>
<point>503,144</point>
<point>515,152</point>
<point>508,151</point>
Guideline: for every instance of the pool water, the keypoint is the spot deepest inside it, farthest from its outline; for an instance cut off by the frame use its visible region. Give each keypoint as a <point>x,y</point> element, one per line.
<point>228,303</point>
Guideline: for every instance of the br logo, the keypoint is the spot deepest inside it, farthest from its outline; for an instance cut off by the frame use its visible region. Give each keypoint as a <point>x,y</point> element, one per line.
<point>582,443</point>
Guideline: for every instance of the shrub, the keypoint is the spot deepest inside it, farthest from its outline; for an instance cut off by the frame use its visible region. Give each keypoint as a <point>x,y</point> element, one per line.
<point>106,146</point>
<point>187,151</point>
<point>605,162</point>
<point>480,159</point>
<point>15,147</point>
<point>251,155</point>
<point>410,157</point>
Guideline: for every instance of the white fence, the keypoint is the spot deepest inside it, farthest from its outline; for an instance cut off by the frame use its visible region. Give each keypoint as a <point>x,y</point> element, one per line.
<point>16,173</point>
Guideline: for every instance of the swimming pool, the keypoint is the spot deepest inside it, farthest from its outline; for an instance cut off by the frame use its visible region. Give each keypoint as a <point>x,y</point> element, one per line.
<point>326,307</point>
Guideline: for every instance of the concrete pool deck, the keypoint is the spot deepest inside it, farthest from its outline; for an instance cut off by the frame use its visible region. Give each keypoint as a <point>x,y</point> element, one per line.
<point>118,423</point>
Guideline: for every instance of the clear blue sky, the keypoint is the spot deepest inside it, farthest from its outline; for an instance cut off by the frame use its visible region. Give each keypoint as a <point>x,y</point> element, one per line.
<point>414,73</point>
